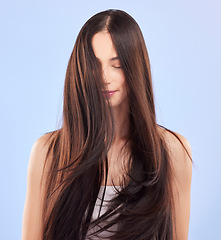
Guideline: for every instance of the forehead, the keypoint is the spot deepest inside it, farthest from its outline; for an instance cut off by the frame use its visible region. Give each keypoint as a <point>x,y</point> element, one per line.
<point>103,46</point>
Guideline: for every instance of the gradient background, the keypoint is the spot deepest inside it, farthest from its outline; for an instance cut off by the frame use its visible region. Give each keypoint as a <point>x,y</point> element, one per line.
<point>183,39</point>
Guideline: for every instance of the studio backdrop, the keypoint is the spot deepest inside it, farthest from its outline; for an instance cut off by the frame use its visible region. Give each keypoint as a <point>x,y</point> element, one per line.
<point>183,41</point>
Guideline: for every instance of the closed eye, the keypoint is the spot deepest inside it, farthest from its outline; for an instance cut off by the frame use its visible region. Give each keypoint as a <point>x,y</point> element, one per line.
<point>116,62</point>
<point>116,66</point>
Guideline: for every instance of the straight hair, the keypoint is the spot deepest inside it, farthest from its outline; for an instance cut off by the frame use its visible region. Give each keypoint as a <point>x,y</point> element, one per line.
<point>143,206</point>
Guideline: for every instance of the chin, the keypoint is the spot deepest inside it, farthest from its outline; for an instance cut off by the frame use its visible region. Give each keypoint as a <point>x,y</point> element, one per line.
<point>122,103</point>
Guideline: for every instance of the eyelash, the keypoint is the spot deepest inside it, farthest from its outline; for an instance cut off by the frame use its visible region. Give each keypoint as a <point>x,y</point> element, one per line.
<point>116,67</point>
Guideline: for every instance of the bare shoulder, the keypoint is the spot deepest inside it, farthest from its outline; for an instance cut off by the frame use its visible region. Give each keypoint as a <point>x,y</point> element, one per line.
<point>179,148</point>
<point>38,153</point>
<point>180,154</point>
<point>175,141</point>
<point>37,165</point>
<point>32,226</point>
<point>181,162</point>
<point>42,143</point>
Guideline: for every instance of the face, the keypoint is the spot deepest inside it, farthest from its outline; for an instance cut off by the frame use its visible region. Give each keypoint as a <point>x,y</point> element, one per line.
<point>113,75</point>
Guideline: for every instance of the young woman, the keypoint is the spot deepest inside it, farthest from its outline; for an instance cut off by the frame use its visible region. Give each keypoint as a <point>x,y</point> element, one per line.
<point>110,172</point>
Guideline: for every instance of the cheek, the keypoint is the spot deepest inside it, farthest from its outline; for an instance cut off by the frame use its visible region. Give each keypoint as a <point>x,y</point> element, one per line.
<point>119,77</point>
<point>123,82</point>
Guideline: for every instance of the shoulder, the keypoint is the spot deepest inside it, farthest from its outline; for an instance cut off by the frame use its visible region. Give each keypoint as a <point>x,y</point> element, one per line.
<point>180,155</point>
<point>32,226</point>
<point>175,141</point>
<point>39,151</point>
<point>38,155</point>
<point>179,149</point>
<point>43,142</point>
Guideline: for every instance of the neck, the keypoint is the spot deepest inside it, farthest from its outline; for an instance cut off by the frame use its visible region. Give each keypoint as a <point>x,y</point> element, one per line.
<point>121,120</point>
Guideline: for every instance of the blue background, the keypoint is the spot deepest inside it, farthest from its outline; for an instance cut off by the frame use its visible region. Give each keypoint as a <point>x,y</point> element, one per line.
<point>183,39</point>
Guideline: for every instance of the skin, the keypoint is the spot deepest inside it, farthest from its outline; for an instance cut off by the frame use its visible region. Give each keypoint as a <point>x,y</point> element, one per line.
<point>115,80</point>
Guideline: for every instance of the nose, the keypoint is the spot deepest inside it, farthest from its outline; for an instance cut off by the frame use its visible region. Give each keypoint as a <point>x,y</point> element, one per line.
<point>105,76</point>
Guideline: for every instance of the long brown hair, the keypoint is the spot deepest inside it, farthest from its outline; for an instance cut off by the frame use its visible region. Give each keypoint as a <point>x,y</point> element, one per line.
<point>78,151</point>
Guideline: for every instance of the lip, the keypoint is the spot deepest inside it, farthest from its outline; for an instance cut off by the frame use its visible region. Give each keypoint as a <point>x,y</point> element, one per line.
<point>109,93</point>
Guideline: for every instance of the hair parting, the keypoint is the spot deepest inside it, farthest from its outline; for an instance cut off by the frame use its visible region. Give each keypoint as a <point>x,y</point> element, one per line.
<point>76,162</point>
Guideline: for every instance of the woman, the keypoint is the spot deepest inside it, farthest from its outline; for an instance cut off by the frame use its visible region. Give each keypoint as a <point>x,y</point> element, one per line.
<point>110,171</point>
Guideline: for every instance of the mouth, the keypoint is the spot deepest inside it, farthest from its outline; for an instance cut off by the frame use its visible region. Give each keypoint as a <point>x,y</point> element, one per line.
<point>109,93</point>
